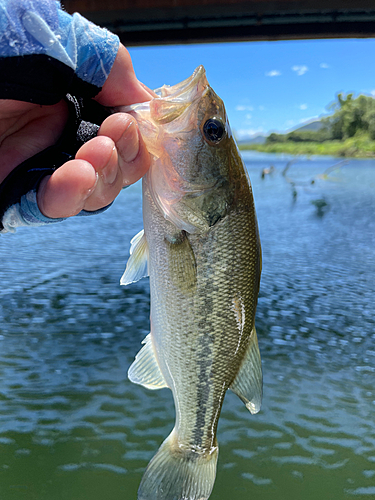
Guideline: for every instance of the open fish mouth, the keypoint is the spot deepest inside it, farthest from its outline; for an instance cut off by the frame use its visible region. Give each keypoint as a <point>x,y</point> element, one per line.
<point>187,88</point>
<point>171,102</point>
<point>182,93</point>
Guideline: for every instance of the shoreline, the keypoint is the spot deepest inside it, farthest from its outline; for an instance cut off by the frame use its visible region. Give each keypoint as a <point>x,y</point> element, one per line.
<point>351,148</point>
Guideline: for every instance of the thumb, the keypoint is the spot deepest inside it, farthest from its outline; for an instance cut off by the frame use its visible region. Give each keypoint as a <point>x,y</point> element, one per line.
<point>122,87</point>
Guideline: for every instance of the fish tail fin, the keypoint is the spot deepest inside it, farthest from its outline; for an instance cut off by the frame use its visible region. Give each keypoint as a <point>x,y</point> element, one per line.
<point>179,474</point>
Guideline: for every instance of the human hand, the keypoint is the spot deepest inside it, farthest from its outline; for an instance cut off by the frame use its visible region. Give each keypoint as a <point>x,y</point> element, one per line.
<point>102,167</point>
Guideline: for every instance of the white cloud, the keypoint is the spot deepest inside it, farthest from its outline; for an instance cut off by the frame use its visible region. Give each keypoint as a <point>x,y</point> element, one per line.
<point>249,116</point>
<point>300,70</point>
<point>241,107</point>
<point>303,106</point>
<point>372,92</point>
<point>274,72</point>
<point>261,108</point>
<point>324,65</point>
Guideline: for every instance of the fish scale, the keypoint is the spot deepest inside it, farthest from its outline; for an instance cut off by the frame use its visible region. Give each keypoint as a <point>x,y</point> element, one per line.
<point>202,248</point>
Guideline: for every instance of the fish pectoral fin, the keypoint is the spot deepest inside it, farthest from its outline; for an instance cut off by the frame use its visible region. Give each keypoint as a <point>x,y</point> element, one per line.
<point>136,267</point>
<point>181,262</point>
<point>248,382</point>
<point>145,368</point>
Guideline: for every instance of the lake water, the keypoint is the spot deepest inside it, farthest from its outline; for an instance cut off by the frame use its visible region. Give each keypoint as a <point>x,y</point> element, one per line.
<point>72,427</point>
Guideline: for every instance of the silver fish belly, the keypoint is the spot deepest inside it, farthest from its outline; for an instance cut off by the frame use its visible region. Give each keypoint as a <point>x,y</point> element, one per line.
<point>200,246</point>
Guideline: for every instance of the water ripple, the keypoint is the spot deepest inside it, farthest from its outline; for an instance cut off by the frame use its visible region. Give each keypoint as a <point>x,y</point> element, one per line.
<point>72,424</point>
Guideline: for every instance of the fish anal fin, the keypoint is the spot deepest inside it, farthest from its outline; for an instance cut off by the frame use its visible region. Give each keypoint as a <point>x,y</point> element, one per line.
<point>137,265</point>
<point>248,382</point>
<point>145,368</point>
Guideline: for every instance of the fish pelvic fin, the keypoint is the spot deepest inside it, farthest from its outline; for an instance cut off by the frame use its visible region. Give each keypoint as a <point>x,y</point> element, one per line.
<point>249,381</point>
<point>177,473</point>
<point>145,368</point>
<point>137,265</point>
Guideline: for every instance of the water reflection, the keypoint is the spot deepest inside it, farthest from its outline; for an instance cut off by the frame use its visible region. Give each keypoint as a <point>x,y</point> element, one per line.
<point>73,426</point>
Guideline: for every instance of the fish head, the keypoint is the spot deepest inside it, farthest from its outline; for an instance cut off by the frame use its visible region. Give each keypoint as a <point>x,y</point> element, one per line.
<point>195,157</point>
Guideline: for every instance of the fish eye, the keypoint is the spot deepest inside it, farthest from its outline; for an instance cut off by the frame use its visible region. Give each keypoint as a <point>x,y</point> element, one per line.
<point>214,130</point>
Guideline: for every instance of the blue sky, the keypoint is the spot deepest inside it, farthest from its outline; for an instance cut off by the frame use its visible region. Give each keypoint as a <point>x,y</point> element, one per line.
<point>267,86</point>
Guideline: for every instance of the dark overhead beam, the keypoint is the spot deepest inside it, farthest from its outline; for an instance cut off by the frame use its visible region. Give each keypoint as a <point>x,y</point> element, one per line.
<point>146,22</point>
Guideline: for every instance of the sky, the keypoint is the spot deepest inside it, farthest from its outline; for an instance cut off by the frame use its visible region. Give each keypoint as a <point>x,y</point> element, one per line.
<point>267,86</point>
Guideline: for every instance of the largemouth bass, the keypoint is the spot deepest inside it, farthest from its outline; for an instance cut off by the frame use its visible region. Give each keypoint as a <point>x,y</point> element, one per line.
<point>200,246</point>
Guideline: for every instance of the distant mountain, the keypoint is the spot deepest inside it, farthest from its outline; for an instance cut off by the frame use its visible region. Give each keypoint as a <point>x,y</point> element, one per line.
<point>255,139</point>
<point>310,126</point>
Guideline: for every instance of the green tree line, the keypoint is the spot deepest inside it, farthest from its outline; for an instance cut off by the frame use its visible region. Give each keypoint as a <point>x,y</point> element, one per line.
<point>351,117</point>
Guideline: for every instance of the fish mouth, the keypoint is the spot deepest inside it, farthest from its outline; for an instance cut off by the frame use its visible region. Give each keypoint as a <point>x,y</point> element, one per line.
<point>169,108</point>
<point>179,95</point>
<point>172,101</point>
<point>196,83</point>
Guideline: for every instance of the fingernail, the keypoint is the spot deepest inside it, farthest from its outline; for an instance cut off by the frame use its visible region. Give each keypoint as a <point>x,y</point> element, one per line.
<point>128,144</point>
<point>89,191</point>
<point>109,172</point>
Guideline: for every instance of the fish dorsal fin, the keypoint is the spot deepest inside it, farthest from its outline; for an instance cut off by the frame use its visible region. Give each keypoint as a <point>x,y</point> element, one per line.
<point>248,382</point>
<point>145,368</point>
<point>136,267</point>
